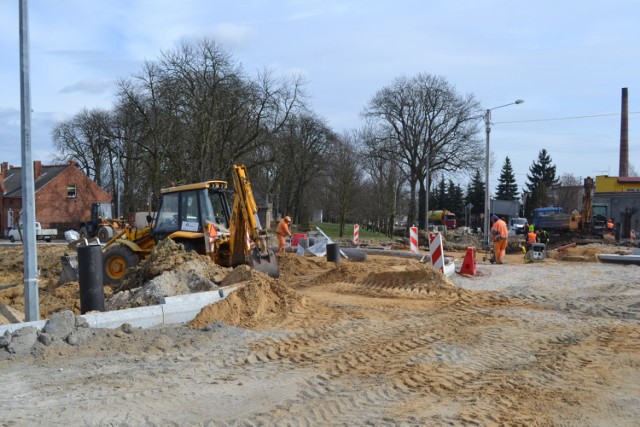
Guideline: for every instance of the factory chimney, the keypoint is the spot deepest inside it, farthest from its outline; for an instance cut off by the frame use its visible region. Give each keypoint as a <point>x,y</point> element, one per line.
<point>624,135</point>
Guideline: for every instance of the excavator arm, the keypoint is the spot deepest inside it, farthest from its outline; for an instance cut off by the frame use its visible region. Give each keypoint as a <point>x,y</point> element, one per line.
<point>248,240</point>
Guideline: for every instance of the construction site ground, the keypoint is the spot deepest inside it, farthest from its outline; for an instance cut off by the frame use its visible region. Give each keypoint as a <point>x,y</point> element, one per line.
<point>387,341</point>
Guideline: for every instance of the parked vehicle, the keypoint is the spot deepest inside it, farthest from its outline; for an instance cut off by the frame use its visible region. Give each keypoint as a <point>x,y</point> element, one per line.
<point>443,217</point>
<point>102,223</point>
<point>45,234</point>
<point>516,226</point>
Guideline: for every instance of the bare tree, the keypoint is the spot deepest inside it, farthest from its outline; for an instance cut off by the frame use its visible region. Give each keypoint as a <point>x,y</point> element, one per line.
<point>385,182</point>
<point>301,152</point>
<point>346,176</point>
<point>430,126</point>
<point>569,193</point>
<point>85,139</point>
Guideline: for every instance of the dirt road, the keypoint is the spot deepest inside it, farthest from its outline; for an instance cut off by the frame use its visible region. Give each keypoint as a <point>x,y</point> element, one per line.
<point>385,342</point>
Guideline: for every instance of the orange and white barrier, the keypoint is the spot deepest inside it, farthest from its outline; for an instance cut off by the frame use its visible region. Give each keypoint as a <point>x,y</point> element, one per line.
<point>413,239</point>
<point>435,249</point>
<point>356,233</point>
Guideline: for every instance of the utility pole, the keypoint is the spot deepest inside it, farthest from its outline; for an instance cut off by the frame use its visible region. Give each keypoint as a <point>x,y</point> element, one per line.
<point>30,254</point>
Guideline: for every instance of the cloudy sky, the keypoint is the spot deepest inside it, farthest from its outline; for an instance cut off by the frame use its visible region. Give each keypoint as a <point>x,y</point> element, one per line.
<point>567,60</point>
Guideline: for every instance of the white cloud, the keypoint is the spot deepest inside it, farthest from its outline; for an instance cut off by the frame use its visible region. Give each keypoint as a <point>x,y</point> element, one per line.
<point>91,86</point>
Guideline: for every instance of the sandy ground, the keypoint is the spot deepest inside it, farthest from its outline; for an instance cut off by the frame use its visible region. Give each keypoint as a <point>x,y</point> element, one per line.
<point>381,342</point>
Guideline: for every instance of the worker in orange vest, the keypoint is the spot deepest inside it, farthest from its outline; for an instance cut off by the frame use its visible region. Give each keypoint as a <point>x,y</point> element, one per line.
<point>500,234</point>
<point>283,232</point>
<point>531,237</point>
<point>610,226</point>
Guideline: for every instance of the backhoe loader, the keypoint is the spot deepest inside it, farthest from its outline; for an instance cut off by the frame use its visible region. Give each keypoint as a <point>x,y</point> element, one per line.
<point>199,217</point>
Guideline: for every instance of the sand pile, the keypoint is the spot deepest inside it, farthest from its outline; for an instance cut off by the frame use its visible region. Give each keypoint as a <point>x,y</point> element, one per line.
<point>586,253</point>
<point>259,303</point>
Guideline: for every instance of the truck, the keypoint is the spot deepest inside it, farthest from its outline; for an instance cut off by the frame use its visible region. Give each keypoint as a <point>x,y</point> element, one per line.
<point>443,217</point>
<point>551,218</point>
<point>46,234</point>
<point>590,220</point>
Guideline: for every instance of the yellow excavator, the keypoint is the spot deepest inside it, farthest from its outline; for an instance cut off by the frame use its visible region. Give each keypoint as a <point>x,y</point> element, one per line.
<point>199,217</point>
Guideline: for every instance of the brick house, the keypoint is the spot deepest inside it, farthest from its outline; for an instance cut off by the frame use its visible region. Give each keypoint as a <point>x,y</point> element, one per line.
<point>63,195</point>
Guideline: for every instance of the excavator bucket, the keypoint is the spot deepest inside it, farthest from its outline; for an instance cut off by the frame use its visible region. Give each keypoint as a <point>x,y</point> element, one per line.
<point>265,262</point>
<point>69,271</point>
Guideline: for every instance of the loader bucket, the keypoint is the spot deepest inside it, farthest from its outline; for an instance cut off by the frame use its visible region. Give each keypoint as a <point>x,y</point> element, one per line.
<point>69,271</point>
<point>265,263</point>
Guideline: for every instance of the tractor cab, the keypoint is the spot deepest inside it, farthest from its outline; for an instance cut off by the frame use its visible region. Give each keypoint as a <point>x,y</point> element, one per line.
<point>184,212</point>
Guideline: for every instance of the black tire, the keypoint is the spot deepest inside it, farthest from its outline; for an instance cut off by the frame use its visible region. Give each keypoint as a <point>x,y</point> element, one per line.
<point>12,239</point>
<point>105,233</point>
<point>116,260</point>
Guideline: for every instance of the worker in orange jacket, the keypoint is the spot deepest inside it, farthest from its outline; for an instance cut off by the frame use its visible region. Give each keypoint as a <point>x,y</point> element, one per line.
<point>610,226</point>
<point>283,231</point>
<point>500,235</point>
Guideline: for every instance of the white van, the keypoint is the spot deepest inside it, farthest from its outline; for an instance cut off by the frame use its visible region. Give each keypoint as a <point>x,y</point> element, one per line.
<point>516,226</point>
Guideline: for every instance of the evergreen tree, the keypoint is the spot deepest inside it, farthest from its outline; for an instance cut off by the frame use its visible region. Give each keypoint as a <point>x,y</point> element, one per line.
<point>455,196</point>
<point>443,199</point>
<point>541,179</point>
<point>475,194</point>
<point>434,197</point>
<point>507,188</point>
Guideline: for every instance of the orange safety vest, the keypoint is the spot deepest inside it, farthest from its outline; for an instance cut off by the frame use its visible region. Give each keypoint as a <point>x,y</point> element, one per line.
<point>531,237</point>
<point>499,229</point>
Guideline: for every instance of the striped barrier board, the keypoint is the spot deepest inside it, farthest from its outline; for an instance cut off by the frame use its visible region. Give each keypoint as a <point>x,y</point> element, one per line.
<point>435,248</point>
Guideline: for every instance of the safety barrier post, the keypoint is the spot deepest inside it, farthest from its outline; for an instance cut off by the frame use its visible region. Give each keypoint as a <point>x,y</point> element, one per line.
<point>413,238</point>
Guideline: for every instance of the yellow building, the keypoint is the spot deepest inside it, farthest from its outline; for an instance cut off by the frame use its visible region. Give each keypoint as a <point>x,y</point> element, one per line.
<point>615,184</point>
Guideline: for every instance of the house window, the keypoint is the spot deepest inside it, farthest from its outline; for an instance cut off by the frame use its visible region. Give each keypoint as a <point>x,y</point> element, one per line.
<point>71,191</point>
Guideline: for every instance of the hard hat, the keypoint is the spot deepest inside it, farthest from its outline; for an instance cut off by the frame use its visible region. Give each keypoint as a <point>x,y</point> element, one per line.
<point>494,218</point>
<point>288,219</point>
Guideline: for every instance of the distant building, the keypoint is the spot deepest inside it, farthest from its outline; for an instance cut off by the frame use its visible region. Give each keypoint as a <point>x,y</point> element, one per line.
<point>63,195</point>
<point>621,195</point>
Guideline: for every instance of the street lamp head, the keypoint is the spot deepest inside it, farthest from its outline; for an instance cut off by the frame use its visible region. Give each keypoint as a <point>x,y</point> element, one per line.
<point>519,101</point>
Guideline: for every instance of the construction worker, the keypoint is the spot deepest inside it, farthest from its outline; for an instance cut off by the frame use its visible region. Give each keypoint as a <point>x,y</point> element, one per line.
<point>283,231</point>
<point>610,226</point>
<point>531,238</point>
<point>500,234</point>
<point>542,236</point>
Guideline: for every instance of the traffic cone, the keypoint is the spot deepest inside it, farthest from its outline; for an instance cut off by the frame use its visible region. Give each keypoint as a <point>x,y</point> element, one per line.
<point>469,263</point>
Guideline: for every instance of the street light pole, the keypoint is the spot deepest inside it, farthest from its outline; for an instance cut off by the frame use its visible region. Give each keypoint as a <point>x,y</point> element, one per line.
<point>487,124</point>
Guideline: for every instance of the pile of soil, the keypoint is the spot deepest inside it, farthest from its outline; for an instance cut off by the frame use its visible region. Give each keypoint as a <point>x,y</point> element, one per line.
<point>260,302</point>
<point>586,253</point>
<point>170,256</point>
<point>168,271</point>
<point>52,297</point>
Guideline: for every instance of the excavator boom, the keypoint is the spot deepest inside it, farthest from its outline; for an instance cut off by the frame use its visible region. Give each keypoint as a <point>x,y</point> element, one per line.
<point>248,238</point>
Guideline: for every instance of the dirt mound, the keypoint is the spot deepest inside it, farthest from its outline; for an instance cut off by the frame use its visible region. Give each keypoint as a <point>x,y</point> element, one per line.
<point>168,271</point>
<point>356,272</point>
<point>170,256</point>
<point>424,281</point>
<point>293,267</point>
<point>586,253</point>
<point>260,302</point>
